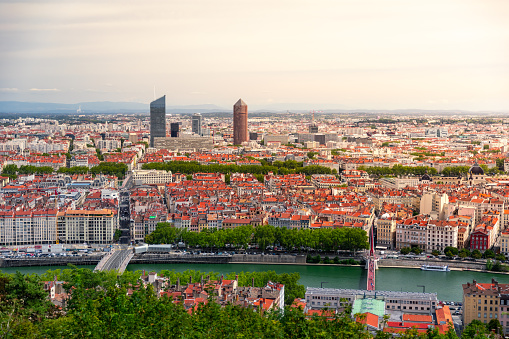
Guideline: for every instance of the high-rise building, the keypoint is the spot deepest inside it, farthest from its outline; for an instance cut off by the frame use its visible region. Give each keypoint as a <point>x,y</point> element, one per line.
<point>197,120</point>
<point>313,128</point>
<point>240,133</point>
<point>157,119</point>
<point>174,128</point>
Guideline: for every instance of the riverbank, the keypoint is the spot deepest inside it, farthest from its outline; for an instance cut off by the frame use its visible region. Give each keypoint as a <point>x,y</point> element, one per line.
<point>446,284</point>
<point>53,261</point>
<point>239,259</point>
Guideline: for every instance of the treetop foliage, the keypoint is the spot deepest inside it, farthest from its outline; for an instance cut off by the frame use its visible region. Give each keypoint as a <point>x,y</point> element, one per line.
<point>278,167</point>
<point>351,239</point>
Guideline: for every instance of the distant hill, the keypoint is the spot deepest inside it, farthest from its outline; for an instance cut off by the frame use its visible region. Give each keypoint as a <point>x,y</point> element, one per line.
<point>98,107</point>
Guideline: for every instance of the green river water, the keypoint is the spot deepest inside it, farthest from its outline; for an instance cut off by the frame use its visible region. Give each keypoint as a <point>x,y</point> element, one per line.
<point>446,284</point>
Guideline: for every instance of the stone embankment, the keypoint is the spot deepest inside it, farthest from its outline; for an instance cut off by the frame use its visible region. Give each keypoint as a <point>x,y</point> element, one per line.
<point>161,258</point>
<point>268,259</point>
<point>166,258</point>
<point>54,261</point>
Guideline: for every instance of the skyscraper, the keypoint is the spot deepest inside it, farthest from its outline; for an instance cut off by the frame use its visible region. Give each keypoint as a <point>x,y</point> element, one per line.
<point>157,119</point>
<point>240,133</point>
<point>197,123</point>
<point>174,129</point>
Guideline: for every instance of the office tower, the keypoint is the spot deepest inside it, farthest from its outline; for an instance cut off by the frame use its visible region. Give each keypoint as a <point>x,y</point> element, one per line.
<point>313,129</point>
<point>157,119</point>
<point>197,123</point>
<point>240,133</point>
<point>174,127</point>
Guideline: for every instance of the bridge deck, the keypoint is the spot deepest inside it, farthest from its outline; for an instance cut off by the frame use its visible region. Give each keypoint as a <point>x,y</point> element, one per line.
<point>117,260</point>
<point>370,284</point>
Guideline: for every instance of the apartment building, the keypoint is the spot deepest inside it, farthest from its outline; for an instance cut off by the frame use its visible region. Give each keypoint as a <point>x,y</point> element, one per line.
<point>150,177</point>
<point>386,232</point>
<point>108,144</point>
<point>84,226</point>
<point>441,234</point>
<point>28,227</point>
<point>485,233</point>
<point>412,232</point>
<point>486,301</point>
<point>504,242</point>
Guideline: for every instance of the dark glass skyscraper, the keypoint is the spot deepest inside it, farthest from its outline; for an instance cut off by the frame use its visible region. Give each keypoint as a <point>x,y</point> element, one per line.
<point>240,133</point>
<point>157,119</point>
<point>174,129</point>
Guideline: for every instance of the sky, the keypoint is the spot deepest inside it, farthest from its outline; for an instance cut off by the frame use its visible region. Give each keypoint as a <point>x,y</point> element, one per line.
<point>316,54</point>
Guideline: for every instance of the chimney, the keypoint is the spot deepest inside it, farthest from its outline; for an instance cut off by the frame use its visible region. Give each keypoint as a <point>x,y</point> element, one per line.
<point>178,283</point>
<point>201,280</point>
<point>236,277</point>
<point>190,279</point>
<point>221,280</point>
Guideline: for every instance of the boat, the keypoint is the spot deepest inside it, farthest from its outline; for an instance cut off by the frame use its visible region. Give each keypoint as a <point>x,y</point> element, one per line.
<point>435,268</point>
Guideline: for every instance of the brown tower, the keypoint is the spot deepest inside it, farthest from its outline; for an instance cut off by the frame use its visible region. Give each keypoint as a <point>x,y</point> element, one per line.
<point>240,133</point>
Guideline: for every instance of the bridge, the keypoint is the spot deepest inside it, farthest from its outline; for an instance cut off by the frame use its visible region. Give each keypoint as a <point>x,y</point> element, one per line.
<point>117,259</point>
<point>371,262</point>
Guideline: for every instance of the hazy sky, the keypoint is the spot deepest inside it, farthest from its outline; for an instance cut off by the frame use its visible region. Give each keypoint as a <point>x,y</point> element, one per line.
<point>386,54</point>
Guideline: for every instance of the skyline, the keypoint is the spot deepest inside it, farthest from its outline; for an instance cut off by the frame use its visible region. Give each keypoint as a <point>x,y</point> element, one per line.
<point>290,54</point>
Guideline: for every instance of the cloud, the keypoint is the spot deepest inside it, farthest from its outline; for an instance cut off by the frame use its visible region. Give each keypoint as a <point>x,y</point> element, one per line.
<point>44,89</point>
<point>8,89</point>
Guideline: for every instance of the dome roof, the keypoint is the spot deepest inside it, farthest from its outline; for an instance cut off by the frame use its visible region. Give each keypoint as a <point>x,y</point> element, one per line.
<point>426,177</point>
<point>476,169</point>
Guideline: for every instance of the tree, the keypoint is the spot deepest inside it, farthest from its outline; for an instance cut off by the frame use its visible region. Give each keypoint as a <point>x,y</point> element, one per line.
<point>476,254</point>
<point>500,257</point>
<point>116,236</point>
<point>10,171</point>
<point>476,329</point>
<point>453,250</point>
<point>500,164</point>
<point>405,250</point>
<point>110,168</point>
<point>489,254</point>
<point>435,253</point>
<point>264,236</point>
<point>416,250</point>
<point>495,326</point>
<point>353,239</point>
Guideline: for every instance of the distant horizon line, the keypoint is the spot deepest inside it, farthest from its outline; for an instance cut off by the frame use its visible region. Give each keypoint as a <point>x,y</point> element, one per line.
<point>219,109</point>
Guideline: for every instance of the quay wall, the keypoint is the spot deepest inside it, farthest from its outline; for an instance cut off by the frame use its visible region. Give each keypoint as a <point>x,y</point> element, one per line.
<point>162,258</point>
<point>268,259</point>
<point>56,261</point>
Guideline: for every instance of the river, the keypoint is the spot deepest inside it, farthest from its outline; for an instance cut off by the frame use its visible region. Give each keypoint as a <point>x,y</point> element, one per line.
<point>446,284</point>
